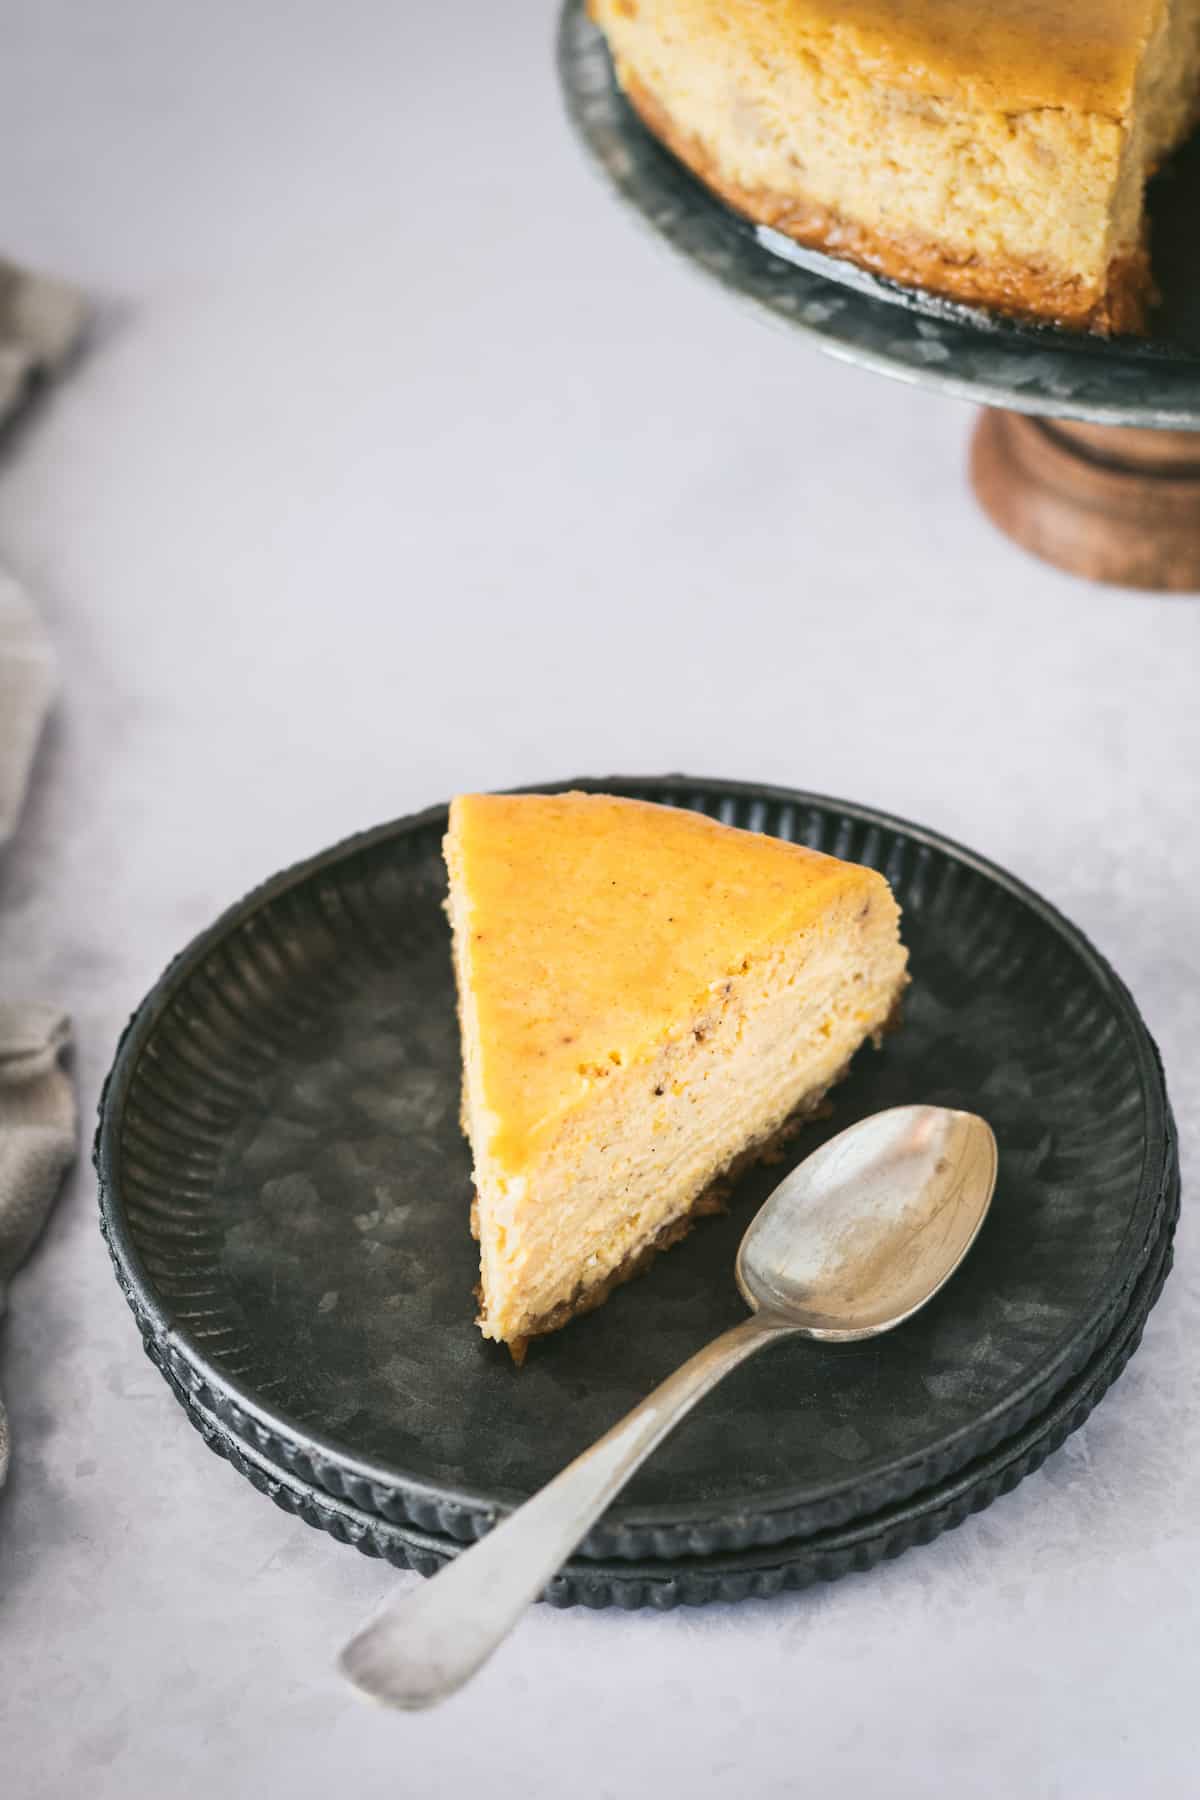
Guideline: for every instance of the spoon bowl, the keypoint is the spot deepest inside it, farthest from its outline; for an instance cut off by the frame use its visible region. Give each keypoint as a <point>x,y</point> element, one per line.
<point>868,1228</point>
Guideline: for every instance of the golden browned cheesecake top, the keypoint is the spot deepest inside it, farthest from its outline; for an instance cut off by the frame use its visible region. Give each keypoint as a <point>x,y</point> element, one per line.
<point>594,925</point>
<point>1009,54</point>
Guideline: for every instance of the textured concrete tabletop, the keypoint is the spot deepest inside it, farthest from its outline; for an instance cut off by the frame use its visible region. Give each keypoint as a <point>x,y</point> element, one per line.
<point>403,463</point>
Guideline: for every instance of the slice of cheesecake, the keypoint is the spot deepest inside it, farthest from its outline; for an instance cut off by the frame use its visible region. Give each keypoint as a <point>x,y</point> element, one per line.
<point>646,997</point>
<point>993,151</point>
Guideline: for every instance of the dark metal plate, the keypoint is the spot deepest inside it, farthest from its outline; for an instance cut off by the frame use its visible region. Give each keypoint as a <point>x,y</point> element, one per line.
<point>898,330</point>
<point>748,1574</point>
<point>285,1192</point>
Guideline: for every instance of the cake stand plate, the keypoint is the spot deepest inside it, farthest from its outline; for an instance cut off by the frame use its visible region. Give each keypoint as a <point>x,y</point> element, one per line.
<point>285,1192</point>
<point>1151,386</point>
<point>733,1575</point>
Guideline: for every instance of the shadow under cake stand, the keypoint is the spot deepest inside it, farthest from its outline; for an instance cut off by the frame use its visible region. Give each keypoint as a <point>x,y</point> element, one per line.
<point>1088,452</point>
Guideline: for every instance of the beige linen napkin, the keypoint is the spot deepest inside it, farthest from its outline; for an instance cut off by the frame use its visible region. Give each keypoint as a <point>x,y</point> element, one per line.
<point>40,320</point>
<point>27,684</point>
<point>37,1137</point>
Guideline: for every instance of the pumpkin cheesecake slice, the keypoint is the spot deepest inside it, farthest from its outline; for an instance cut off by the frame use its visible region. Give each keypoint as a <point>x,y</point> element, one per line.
<point>992,151</point>
<point>646,998</point>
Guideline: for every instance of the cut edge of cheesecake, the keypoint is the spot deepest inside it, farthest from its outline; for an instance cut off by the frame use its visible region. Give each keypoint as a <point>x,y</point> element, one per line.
<point>649,1001</point>
<point>1024,289</point>
<point>998,161</point>
<point>711,1200</point>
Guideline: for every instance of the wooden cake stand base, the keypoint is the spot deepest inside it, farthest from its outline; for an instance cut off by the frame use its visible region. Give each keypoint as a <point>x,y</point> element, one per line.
<point>1107,502</point>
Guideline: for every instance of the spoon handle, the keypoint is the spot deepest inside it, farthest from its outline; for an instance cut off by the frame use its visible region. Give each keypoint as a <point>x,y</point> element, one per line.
<point>429,1640</point>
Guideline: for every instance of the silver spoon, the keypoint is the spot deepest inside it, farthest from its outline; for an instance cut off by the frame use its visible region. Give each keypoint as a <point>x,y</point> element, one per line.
<point>851,1243</point>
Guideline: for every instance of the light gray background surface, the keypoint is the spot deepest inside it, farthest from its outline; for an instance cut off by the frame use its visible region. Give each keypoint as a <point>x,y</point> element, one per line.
<point>404,463</point>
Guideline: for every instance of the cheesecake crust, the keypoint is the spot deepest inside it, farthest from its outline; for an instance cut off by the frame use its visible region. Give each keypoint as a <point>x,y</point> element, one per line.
<point>1023,290</point>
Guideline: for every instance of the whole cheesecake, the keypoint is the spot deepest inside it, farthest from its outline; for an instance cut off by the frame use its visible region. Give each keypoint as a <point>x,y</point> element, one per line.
<point>992,151</point>
<point>646,999</point>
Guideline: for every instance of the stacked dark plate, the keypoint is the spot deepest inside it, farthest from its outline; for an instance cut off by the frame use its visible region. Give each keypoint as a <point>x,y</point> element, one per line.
<point>285,1192</point>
